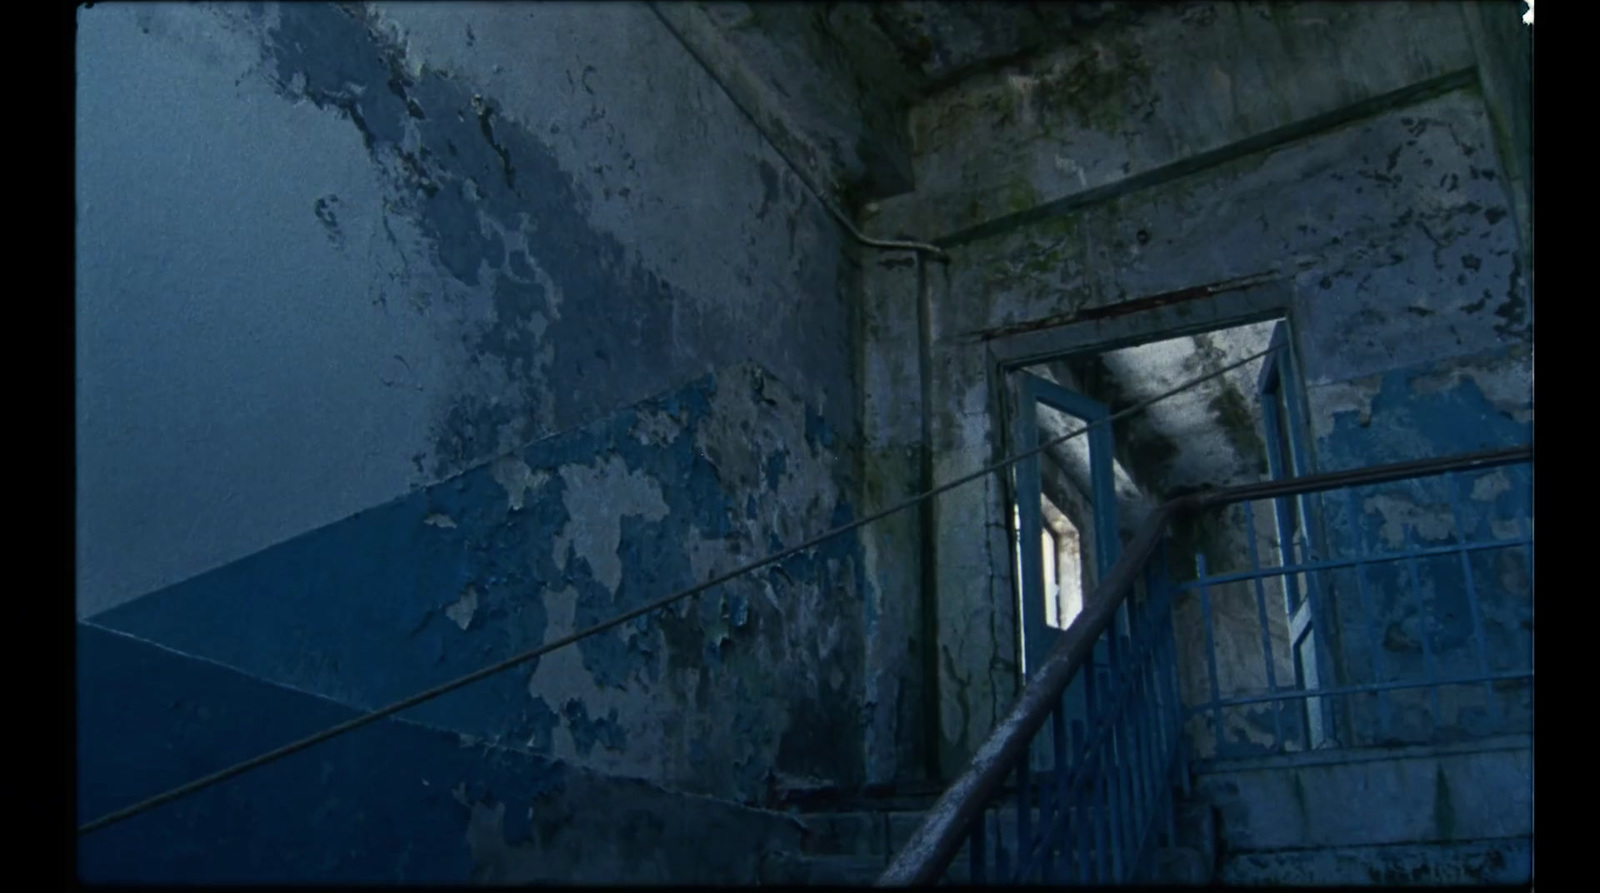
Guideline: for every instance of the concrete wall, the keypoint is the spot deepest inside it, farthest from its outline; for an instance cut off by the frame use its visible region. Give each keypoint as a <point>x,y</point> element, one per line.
<point>328,257</point>
<point>396,802</point>
<point>413,336</point>
<point>1459,815</point>
<point>753,685</point>
<point>1330,162</point>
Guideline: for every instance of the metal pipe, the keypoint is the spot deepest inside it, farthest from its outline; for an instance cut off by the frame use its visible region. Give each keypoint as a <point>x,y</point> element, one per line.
<point>1376,474</point>
<point>922,248</point>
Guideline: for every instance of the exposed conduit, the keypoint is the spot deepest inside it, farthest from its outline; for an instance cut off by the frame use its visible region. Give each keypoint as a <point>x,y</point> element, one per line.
<point>923,248</point>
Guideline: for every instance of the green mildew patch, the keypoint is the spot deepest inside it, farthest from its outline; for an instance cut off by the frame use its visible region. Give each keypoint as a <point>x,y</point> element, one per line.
<point>1239,423</point>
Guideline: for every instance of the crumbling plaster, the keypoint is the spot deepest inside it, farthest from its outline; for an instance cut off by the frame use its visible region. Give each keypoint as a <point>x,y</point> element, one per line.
<point>1360,173</point>
<point>444,230</point>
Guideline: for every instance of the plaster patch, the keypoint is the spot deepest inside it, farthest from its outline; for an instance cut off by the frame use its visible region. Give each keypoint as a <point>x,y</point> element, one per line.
<point>1506,384</point>
<point>1336,398</point>
<point>656,428</point>
<point>597,497</point>
<point>517,478</point>
<point>561,678</point>
<point>1399,514</point>
<point>438,519</point>
<point>1489,486</point>
<point>464,607</point>
<point>709,557</point>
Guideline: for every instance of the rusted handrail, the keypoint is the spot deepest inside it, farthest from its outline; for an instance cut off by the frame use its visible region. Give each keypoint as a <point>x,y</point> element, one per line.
<point>925,857</point>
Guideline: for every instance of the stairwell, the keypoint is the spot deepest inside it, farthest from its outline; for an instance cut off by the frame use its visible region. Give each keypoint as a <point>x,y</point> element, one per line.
<point>1428,816</point>
<point>1143,767</point>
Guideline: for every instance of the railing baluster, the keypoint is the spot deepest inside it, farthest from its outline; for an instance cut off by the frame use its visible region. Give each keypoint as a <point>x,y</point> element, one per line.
<point>1156,635</point>
<point>1130,751</point>
<point>1117,756</point>
<point>1526,534</point>
<point>1139,733</point>
<point>1374,640</point>
<point>1482,647</point>
<point>1072,801</point>
<point>1002,860</point>
<point>1041,853</point>
<point>1099,813</point>
<point>1149,745</point>
<point>1024,817</point>
<point>1266,630</point>
<point>1112,774</point>
<point>1522,528</point>
<point>1425,614</point>
<point>1061,784</point>
<point>1176,712</point>
<point>975,854</point>
<point>1211,650</point>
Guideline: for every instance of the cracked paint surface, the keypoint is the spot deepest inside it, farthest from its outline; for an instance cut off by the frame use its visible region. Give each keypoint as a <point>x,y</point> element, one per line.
<point>498,237</point>
<point>763,674</point>
<point>1391,233</point>
<point>394,802</point>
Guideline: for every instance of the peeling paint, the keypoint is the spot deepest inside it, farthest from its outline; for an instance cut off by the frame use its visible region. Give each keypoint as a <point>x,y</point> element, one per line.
<point>518,479</point>
<point>1401,516</point>
<point>597,499</point>
<point>464,607</point>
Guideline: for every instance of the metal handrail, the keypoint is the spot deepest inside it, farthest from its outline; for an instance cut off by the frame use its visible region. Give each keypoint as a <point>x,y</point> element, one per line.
<point>929,851</point>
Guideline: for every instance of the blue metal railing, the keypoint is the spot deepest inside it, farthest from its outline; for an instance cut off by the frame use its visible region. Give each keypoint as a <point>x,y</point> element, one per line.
<point>1101,797</point>
<point>1426,642</point>
<point>1095,794</point>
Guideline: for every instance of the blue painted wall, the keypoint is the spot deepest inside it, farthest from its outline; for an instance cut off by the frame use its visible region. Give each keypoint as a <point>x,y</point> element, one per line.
<point>394,802</point>
<point>329,254</point>
<point>413,336</point>
<point>716,696</point>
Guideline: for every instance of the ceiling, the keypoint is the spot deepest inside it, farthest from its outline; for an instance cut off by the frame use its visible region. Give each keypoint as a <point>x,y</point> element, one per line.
<point>847,74</point>
<point>940,43</point>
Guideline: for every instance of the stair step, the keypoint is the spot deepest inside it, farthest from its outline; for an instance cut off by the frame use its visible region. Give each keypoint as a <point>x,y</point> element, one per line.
<point>859,834</point>
<point>1504,861</point>
<point>1178,865</point>
<point>789,868</point>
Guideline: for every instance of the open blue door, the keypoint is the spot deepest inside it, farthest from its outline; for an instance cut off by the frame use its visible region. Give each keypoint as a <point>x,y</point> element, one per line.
<point>1284,427</point>
<point>1036,608</point>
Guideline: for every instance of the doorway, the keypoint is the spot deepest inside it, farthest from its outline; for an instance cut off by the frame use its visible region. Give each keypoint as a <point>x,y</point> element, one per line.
<point>1076,502</point>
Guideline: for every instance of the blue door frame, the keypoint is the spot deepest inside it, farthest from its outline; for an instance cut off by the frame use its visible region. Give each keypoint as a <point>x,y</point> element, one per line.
<point>1038,638</point>
<point>1284,428</point>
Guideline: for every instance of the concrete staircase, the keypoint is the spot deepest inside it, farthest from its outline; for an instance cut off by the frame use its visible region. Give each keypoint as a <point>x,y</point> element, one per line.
<point>850,848</point>
<point>854,848</point>
<point>406,803</point>
<point>1415,816</point>
<point>1440,815</point>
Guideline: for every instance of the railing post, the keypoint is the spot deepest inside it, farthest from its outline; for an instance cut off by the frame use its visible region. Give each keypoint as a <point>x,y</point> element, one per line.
<point>1111,791</point>
<point>1266,629</point>
<point>1211,650</point>
<point>1473,608</point>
